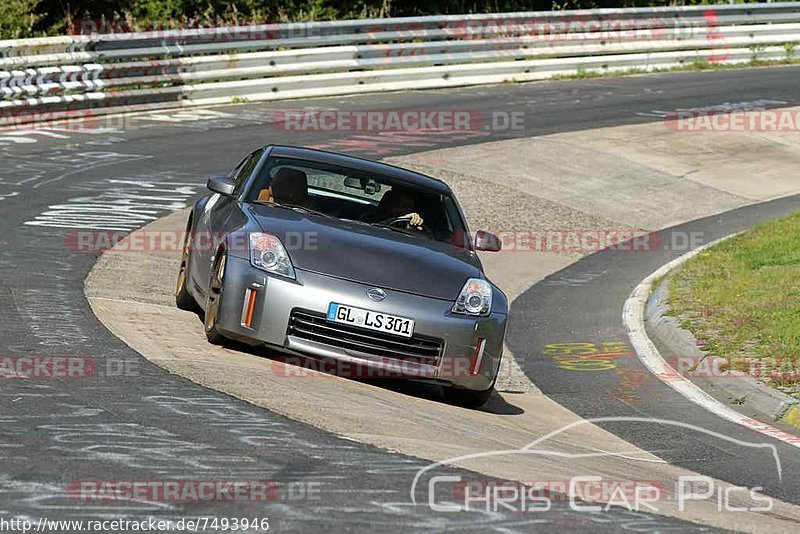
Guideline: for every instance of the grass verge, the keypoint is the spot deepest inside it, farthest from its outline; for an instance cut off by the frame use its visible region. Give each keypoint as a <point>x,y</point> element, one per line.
<point>582,74</point>
<point>742,300</point>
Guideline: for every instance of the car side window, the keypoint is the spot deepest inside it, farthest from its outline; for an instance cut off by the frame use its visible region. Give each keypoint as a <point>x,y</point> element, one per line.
<point>245,169</point>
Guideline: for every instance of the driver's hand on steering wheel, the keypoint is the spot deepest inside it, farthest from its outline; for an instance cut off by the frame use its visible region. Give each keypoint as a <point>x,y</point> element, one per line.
<point>414,219</point>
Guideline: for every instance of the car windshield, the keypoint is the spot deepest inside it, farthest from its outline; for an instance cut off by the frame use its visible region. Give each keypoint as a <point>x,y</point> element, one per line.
<point>353,195</point>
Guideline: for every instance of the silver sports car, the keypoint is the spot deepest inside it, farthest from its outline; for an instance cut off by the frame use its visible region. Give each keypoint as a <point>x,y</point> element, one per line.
<point>335,258</point>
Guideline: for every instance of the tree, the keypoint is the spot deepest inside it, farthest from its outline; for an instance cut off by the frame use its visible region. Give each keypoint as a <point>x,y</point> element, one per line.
<point>18,18</point>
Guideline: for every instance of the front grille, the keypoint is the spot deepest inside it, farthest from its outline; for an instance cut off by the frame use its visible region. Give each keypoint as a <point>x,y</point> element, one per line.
<point>314,327</point>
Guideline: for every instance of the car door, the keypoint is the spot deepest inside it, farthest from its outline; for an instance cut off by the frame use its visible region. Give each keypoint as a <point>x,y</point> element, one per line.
<point>211,221</point>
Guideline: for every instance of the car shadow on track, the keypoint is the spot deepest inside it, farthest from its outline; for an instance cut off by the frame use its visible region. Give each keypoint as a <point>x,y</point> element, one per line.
<point>433,392</point>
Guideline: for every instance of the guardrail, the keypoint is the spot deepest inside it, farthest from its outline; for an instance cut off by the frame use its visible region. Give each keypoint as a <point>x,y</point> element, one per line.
<point>114,72</point>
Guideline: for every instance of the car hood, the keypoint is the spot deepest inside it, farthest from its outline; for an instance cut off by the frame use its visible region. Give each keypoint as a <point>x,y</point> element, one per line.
<point>369,255</point>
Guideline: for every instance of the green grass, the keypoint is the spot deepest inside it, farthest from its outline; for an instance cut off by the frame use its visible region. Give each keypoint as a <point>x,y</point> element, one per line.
<point>742,297</point>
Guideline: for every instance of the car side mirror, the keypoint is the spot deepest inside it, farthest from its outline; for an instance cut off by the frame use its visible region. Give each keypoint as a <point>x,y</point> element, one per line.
<point>487,242</point>
<point>221,184</point>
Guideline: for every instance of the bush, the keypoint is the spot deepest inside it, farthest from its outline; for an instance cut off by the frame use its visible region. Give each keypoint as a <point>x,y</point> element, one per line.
<point>18,18</point>
<point>27,18</point>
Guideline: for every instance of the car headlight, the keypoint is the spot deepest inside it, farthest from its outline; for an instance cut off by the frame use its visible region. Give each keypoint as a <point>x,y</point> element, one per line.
<point>475,298</point>
<point>267,253</point>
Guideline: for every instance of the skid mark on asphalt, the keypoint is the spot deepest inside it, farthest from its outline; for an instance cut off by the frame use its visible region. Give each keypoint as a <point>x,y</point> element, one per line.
<point>114,159</point>
<point>202,120</point>
<point>725,107</point>
<point>187,116</point>
<point>33,170</point>
<point>574,280</point>
<point>47,497</point>
<point>382,144</point>
<point>53,320</point>
<point>245,426</point>
<point>114,128</point>
<point>123,204</point>
<point>11,139</point>
<point>136,446</point>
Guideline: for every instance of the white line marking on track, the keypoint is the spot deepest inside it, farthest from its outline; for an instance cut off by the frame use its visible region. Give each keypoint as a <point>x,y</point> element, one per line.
<point>5,139</point>
<point>633,317</point>
<point>43,133</point>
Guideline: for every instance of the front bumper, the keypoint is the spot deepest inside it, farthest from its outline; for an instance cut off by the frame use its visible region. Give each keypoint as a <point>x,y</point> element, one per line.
<point>267,302</point>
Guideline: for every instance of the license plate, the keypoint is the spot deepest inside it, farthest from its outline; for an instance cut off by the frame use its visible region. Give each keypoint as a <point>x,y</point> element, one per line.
<point>372,320</point>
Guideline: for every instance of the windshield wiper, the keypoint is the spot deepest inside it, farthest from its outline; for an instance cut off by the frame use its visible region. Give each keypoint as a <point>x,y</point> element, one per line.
<point>294,207</point>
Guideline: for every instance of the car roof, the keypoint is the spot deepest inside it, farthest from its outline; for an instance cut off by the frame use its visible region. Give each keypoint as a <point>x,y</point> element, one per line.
<point>333,158</point>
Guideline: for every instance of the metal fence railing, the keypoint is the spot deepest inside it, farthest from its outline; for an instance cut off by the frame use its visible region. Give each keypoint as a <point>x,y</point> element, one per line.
<point>114,72</point>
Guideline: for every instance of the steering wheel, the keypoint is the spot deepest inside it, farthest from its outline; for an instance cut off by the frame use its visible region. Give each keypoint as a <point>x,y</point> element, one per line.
<point>404,223</point>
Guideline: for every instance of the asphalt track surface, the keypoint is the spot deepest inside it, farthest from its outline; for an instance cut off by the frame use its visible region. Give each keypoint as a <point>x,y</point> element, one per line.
<point>583,304</point>
<point>145,424</point>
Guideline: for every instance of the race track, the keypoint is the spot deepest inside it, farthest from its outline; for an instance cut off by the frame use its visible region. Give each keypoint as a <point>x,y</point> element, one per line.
<point>149,424</point>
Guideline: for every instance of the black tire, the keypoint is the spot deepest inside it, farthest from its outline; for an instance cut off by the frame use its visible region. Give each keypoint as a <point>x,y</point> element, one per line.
<point>216,288</point>
<point>467,398</point>
<point>183,299</point>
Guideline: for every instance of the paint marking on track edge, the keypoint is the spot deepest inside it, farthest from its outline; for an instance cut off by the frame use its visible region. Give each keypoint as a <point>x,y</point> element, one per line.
<point>633,318</point>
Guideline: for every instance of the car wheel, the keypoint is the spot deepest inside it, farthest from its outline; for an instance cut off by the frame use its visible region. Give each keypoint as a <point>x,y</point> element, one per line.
<point>214,302</point>
<point>183,299</point>
<point>466,397</point>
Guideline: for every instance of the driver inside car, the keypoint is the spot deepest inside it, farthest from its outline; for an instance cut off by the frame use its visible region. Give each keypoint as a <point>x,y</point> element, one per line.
<point>288,186</point>
<point>396,204</point>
